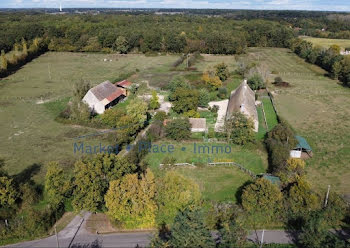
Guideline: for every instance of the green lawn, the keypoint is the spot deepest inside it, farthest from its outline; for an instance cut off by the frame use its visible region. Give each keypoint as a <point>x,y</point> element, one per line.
<point>270,114</point>
<point>326,43</point>
<point>216,183</point>
<point>262,126</point>
<point>318,109</point>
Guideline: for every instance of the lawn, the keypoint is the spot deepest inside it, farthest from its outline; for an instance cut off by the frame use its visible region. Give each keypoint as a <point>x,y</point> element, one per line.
<point>326,43</point>
<point>216,183</point>
<point>270,114</point>
<point>318,109</point>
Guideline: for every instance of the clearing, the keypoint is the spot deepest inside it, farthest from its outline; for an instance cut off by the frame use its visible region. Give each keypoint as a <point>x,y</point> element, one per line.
<point>318,109</point>
<point>326,43</point>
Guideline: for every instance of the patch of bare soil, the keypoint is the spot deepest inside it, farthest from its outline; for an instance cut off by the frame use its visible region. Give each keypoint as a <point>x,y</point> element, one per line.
<point>282,84</point>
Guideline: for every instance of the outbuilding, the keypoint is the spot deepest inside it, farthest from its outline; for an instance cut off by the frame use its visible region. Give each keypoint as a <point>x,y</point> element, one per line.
<point>104,96</point>
<point>302,149</point>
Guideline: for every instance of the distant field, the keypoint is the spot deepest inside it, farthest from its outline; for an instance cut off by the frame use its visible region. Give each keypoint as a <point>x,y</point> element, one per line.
<point>326,43</point>
<point>318,108</point>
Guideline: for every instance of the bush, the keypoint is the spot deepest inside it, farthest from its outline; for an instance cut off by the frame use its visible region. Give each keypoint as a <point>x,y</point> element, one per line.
<point>256,82</point>
<point>278,80</point>
<point>160,116</point>
<point>222,93</point>
<point>178,129</point>
<point>192,114</point>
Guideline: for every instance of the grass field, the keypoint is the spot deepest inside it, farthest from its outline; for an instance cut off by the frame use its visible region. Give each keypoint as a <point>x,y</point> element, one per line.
<point>31,98</point>
<point>216,183</point>
<point>318,109</point>
<point>326,43</point>
<point>270,114</point>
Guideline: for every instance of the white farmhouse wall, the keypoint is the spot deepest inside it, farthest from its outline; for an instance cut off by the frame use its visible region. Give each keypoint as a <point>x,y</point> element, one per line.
<point>94,104</point>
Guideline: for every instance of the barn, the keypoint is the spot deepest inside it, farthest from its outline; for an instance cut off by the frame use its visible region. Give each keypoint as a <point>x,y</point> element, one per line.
<point>242,100</point>
<point>104,96</point>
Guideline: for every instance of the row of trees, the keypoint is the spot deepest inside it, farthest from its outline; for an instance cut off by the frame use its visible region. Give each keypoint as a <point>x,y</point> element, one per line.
<point>145,33</point>
<point>21,54</point>
<point>337,65</point>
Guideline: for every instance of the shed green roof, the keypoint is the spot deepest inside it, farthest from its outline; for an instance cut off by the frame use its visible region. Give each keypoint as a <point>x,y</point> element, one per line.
<point>302,143</point>
<point>272,179</point>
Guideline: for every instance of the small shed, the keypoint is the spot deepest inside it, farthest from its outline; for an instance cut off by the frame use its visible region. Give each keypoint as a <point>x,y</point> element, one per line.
<point>198,124</point>
<point>273,179</point>
<point>302,150</point>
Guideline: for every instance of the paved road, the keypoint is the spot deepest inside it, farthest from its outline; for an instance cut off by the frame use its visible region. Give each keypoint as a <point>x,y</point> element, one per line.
<point>75,233</point>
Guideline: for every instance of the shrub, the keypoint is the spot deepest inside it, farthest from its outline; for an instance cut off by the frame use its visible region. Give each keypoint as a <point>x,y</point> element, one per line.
<point>178,129</point>
<point>278,80</point>
<point>256,82</point>
<point>160,116</point>
<point>222,93</point>
<point>192,114</point>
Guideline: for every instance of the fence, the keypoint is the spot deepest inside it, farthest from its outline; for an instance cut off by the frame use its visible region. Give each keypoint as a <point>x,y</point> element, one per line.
<point>245,170</point>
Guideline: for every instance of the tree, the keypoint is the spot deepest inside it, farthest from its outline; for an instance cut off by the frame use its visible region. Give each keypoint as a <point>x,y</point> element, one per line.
<point>301,199</point>
<point>292,172</point>
<point>130,201</point>
<point>262,200</point>
<point>24,47</point>
<point>121,44</point>
<point>314,233</point>
<point>221,70</point>
<point>256,82</point>
<point>239,129</point>
<point>80,88</point>
<point>92,176</point>
<point>203,98</point>
<point>212,81</point>
<point>184,100</point>
<point>3,63</point>
<point>154,103</point>
<point>8,192</point>
<point>336,69</point>
<point>232,234</point>
<point>188,230</point>
<point>178,129</point>
<point>137,110</point>
<point>175,192</point>
<point>222,93</point>
<point>56,184</point>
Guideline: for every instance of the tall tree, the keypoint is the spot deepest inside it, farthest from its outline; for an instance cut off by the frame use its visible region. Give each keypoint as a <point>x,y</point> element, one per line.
<point>3,62</point>
<point>175,192</point>
<point>56,184</point>
<point>130,201</point>
<point>154,103</point>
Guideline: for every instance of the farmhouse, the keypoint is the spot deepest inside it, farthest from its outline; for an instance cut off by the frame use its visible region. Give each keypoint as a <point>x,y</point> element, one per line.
<point>242,100</point>
<point>302,149</point>
<point>198,124</point>
<point>104,96</point>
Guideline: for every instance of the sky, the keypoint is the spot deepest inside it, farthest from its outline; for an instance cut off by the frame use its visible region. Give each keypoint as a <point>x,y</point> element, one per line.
<point>336,5</point>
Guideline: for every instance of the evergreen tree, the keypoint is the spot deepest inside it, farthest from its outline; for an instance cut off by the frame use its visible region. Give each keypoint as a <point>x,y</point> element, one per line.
<point>24,47</point>
<point>154,104</point>
<point>189,230</point>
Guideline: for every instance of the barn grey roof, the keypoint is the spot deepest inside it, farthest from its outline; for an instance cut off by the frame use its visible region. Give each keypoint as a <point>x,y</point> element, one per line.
<point>198,123</point>
<point>103,90</point>
<point>242,100</point>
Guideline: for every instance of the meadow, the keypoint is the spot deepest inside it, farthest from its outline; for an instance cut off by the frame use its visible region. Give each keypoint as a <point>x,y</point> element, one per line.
<point>31,99</point>
<point>219,183</point>
<point>317,107</point>
<point>326,43</point>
